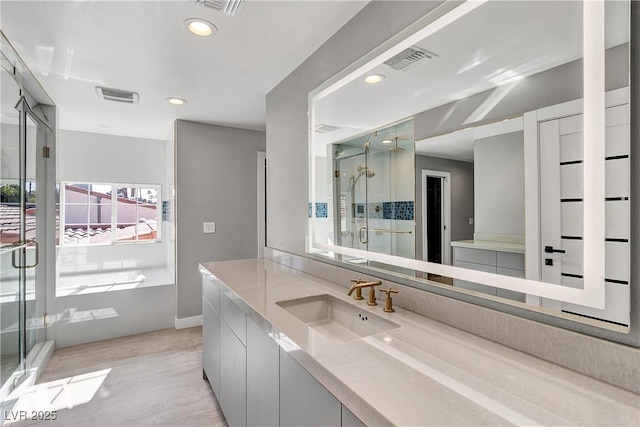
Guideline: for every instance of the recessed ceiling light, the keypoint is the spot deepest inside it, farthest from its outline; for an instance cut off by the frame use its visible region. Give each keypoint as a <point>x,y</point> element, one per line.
<point>374,78</point>
<point>200,27</point>
<point>176,101</point>
<point>387,141</point>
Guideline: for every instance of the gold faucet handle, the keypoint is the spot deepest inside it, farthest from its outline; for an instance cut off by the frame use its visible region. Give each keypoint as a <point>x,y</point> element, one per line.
<point>388,303</point>
<point>357,281</point>
<point>388,292</point>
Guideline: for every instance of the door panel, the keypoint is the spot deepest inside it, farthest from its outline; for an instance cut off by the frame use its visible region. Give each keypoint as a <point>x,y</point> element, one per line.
<point>562,223</point>
<point>11,220</point>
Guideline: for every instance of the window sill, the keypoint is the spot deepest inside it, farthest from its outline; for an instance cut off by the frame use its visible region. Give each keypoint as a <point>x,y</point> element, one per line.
<point>111,281</point>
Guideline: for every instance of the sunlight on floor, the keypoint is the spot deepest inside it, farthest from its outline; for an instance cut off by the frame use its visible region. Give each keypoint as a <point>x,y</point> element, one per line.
<point>60,394</point>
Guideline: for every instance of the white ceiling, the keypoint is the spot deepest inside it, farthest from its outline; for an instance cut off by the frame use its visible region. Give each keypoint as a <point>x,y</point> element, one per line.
<point>496,45</point>
<point>72,46</point>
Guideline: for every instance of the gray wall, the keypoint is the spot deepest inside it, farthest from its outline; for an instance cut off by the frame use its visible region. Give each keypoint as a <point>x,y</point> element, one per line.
<point>499,184</point>
<point>461,197</point>
<point>216,180</point>
<point>287,127</point>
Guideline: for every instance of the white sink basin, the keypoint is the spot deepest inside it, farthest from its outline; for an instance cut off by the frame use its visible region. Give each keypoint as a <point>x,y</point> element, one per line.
<point>335,318</point>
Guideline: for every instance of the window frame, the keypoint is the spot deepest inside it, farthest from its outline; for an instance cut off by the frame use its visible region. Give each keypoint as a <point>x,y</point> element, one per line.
<point>113,220</point>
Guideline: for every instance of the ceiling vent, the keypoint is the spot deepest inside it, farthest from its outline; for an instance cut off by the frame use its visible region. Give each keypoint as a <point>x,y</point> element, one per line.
<point>410,58</point>
<point>117,95</point>
<point>228,7</point>
<point>326,128</point>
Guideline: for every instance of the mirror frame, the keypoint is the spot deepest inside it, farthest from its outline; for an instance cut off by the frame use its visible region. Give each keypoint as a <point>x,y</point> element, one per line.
<point>593,292</point>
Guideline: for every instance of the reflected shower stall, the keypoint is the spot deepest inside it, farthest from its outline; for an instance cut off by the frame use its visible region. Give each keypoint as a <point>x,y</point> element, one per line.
<point>374,191</point>
<point>27,220</point>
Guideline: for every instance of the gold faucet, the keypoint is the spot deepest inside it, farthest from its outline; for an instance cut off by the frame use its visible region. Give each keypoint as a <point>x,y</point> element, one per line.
<point>388,303</point>
<point>359,284</point>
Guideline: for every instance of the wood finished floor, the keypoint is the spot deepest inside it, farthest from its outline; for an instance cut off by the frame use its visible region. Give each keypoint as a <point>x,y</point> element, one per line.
<point>151,379</point>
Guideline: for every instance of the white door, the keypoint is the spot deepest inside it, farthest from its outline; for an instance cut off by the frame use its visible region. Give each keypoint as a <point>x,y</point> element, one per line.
<point>561,206</point>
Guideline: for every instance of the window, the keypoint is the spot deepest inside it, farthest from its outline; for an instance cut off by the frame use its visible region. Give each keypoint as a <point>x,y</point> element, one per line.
<point>99,213</point>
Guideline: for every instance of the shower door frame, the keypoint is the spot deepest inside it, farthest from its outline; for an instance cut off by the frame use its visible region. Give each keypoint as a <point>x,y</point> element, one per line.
<point>357,232</point>
<point>34,103</point>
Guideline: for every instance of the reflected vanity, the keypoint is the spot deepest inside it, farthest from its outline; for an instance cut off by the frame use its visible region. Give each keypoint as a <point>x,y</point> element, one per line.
<point>490,158</point>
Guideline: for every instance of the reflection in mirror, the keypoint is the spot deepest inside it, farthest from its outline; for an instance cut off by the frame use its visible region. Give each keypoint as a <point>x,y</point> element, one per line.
<point>374,186</point>
<point>503,107</point>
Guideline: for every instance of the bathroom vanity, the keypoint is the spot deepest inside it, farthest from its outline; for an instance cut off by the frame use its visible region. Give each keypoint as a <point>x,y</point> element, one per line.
<point>506,258</point>
<point>283,347</point>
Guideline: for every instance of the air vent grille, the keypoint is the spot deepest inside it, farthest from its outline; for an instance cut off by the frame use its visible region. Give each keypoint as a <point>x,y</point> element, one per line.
<point>118,95</point>
<point>410,58</point>
<point>326,128</point>
<point>228,7</point>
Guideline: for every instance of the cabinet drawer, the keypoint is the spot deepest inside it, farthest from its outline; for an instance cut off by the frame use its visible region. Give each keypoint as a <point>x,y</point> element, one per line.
<point>476,256</point>
<point>510,272</point>
<point>210,292</point>
<point>234,317</point>
<point>510,260</point>
<point>473,266</point>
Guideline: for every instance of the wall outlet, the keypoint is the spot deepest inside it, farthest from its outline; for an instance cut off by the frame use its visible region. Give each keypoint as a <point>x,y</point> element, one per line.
<point>470,221</point>
<point>208,227</point>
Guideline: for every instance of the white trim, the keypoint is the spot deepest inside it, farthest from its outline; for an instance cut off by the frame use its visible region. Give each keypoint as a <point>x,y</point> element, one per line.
<point>446,214</point>
<point>262,158</point>
<point>593,235</point>
<point>188,322</point>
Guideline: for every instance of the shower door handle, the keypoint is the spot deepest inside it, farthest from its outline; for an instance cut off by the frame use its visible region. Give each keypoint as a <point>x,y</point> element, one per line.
<point>24,245</point>
<point>366,230</point>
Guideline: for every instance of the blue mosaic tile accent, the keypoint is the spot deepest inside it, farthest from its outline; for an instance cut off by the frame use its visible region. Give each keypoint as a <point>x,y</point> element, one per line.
<point>359,210</point>
<point>321,210</point>
<point>397,210</point>
<point>166,210</point>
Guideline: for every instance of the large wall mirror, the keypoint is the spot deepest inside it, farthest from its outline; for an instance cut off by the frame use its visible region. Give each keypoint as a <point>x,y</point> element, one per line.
<point>485,149</point>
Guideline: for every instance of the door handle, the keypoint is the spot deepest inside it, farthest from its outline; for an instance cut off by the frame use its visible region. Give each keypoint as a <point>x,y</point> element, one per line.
<point>24,246</point>
<point>360,235</point>
<point>551,250</point>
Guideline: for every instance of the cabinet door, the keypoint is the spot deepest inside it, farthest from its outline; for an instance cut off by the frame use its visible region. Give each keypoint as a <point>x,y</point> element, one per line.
<point>303,400</point>
<point>211,345</point>
<point>263,377</point>
<point>350,420</point>
<point>233,377</point>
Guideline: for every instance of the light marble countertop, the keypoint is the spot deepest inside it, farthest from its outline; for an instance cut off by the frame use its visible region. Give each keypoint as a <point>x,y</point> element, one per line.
<point>490,245</point>
<point>424,372</point>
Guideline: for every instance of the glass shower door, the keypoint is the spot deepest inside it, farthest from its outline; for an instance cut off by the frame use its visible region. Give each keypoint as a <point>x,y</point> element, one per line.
<point>353,226</point>
<point>11,225</point>
<point>19,251</point>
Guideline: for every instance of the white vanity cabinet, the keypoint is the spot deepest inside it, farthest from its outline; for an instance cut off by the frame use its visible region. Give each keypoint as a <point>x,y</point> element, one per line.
<point>255,381</point>
<point>303,400</point>
<point>490,261</point>
<point>263,377</point>
<point>211,333</point>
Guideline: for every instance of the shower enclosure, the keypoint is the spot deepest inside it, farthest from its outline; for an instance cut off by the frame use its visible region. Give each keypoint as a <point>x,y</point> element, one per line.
<point>374,191</point>
<point>27,218</point>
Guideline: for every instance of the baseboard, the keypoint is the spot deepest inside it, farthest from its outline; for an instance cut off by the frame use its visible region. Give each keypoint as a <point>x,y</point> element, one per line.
<point>188,322</point>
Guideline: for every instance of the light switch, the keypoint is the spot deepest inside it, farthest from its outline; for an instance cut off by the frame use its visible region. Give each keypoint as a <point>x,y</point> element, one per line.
<point>208,227</point>
<point>470,221</point>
